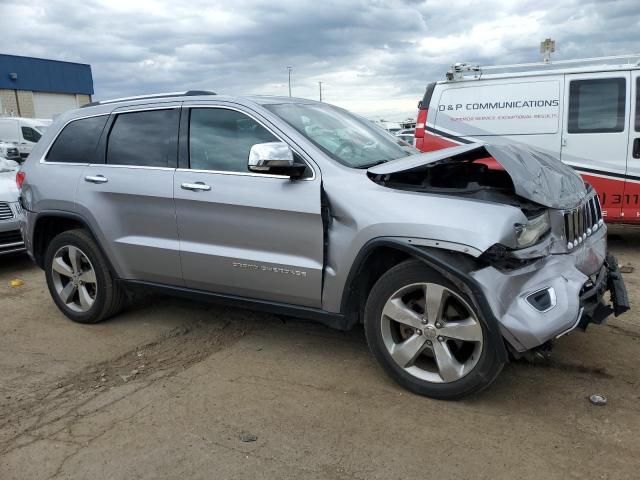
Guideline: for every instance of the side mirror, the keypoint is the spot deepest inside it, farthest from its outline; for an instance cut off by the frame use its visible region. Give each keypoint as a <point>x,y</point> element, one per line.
<point>275,158</point>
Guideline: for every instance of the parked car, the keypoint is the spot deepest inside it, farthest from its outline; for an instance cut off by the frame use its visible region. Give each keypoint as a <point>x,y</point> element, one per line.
<point>23,132</point>
<point>407,135</point>
<point>251,201</point>
<point>9,151</point>
<point>10,236</point>
<point>582,112</point>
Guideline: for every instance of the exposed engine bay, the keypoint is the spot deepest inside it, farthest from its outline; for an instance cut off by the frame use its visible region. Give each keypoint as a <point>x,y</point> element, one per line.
<point>497,173</point>
<point>465,176</point>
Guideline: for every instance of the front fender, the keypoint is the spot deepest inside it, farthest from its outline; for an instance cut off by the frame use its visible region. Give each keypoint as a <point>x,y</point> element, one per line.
<point>455,267</point>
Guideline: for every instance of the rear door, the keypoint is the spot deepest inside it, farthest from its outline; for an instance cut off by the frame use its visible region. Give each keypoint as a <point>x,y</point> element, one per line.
<point>596,133</point>
<point>242,233</point>
<point>127,195</point>
<point>631,199</point>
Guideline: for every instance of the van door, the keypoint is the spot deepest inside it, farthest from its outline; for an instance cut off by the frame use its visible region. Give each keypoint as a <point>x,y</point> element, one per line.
<point>630,202</point>
<point>596,133</point>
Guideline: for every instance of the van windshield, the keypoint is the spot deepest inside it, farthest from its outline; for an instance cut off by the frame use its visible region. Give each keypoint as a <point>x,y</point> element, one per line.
<point>348,139</point>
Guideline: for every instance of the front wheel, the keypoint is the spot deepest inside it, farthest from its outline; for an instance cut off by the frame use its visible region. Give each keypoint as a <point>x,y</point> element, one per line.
<point>427,335</point>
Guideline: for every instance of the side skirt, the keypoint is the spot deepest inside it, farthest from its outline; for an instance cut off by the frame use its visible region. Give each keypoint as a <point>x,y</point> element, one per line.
<point>331,320</point>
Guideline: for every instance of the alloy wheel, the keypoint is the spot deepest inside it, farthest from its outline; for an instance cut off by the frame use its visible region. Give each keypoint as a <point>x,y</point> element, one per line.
<point>431,332</point>
<point>74,278</point>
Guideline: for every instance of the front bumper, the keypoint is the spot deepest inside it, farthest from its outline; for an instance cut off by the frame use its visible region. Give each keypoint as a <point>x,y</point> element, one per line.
<point>11,240</point>
<point>571,288</point>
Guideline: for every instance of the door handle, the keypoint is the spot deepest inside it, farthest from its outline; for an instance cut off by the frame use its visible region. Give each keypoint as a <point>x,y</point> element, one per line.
<point>195,186</point>
<point>96,179</point>
<point>636,148</point>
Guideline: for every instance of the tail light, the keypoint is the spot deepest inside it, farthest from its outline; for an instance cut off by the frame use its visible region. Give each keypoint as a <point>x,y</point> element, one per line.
<point>20,176</point>
<point>420,126</point>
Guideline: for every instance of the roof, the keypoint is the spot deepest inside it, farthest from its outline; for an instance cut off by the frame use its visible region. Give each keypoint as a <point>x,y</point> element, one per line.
<point>43,75</point>
<point>462,72</point>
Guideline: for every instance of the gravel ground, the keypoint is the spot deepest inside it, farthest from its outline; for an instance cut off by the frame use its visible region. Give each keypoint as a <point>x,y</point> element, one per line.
<point>177,389</point>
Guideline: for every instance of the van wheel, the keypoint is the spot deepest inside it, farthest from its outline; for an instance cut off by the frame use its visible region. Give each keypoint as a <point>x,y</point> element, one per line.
<point>79,279</point>
<point>427,336</point>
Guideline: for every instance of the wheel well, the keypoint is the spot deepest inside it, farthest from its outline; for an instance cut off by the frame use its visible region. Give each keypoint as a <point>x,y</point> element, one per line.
<point>46,229</point>
<point>377,262</point>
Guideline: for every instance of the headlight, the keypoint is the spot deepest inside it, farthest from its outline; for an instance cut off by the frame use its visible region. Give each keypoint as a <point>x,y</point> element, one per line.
<point>529,233</point>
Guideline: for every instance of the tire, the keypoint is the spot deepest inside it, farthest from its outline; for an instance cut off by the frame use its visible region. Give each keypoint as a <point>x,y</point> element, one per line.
<point>91,298</point>
<point>459,361</point>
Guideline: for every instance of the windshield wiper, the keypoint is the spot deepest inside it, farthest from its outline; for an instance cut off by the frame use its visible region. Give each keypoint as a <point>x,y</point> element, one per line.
<point>373,164</point>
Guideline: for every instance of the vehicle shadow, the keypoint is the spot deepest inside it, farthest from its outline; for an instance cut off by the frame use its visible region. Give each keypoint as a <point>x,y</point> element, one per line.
<point>15,263</point>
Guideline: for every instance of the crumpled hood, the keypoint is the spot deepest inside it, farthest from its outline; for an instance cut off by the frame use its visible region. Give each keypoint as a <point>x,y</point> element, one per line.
<point>537,176</point>
<point>8,188</point>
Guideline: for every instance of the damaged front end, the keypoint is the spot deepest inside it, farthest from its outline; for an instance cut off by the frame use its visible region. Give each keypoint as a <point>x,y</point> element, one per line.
<point>553,274</point>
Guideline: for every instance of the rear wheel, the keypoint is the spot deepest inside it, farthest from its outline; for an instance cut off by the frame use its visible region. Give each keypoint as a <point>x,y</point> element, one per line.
<point>79,279</point>
<point>427,335</point>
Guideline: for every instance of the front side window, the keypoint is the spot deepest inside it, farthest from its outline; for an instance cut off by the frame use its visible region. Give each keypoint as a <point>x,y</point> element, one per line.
<point>30,135</point>
<point>78,141</point>
<point>220,139</point>
<point>147,139</point>
<point>597,106</point>
<point>348,139</point>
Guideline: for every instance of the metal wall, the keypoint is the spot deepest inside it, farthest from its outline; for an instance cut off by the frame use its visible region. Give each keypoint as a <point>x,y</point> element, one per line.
<point>41,75</point>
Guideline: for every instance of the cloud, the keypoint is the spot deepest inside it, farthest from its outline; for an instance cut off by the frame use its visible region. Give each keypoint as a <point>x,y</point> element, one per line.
<point>374,57</point>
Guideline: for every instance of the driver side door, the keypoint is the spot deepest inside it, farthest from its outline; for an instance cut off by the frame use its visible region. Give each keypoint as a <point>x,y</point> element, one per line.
<point>242,233</point>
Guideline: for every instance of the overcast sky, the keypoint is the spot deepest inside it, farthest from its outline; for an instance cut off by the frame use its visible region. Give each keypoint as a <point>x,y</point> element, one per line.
<point>374,57</point>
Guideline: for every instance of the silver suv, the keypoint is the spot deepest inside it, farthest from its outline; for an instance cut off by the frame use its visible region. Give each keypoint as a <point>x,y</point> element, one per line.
<point>455,261</point>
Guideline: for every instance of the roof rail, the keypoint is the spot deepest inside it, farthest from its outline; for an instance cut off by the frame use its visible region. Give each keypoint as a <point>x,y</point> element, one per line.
<point>188,93</point>
<point>457,70</point>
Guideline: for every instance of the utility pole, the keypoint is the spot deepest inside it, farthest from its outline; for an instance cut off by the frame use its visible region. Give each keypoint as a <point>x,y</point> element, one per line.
<point>289,68</point>
<point>320,86</point>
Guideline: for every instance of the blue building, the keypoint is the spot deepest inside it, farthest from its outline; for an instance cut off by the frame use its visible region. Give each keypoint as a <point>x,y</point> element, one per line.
<point>40,88</point>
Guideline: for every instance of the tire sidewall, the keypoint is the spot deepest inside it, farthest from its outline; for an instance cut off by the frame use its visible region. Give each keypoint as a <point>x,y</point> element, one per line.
<point>71,239</point>
<point>486,369</point>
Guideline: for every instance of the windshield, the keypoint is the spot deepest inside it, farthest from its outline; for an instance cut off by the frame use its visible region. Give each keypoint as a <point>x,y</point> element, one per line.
<point>41,128</point>
<point>350,140</point>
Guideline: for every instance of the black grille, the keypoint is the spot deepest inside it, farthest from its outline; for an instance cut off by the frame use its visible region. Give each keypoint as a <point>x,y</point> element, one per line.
<point>11,241</point>
<point>5,211</point>
<point>582,221</point>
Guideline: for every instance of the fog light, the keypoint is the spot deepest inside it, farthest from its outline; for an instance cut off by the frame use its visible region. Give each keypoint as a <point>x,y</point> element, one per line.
<point>542,300</point>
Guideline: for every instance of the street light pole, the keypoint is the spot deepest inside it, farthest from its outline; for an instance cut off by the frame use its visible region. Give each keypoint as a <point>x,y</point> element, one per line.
<point>289,69</point>
<point>320,86</point>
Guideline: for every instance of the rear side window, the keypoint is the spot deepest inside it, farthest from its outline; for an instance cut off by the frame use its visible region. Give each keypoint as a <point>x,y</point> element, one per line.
<point>148,139</point>
<point>30,134</point>
<point>221,139</point>
<point>597,106</point>
<point>78,141</point>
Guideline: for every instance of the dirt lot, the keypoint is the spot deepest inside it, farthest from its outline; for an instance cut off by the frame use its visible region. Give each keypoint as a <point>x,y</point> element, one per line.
<point>167,390</point>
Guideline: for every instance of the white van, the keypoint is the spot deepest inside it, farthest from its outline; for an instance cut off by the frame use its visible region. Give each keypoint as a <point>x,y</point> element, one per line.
<point>23,132</point>
<point>586,112</point>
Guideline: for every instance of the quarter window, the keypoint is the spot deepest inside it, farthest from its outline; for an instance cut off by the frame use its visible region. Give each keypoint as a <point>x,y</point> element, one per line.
<point>78,141</point>
<point>148,139</point>
<point>597,106</point>
<point>220,139</point>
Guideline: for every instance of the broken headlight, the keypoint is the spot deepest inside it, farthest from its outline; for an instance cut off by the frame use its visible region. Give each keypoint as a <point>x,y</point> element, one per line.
<point>529,233</point>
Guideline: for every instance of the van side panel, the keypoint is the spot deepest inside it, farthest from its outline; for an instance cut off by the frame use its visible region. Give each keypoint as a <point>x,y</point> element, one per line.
<point>9,130</point>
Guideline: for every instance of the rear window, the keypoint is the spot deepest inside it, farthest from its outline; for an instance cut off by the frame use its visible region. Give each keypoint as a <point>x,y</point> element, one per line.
<point>147,139</point>
<point>78,141</point>
<point>597,106</point>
